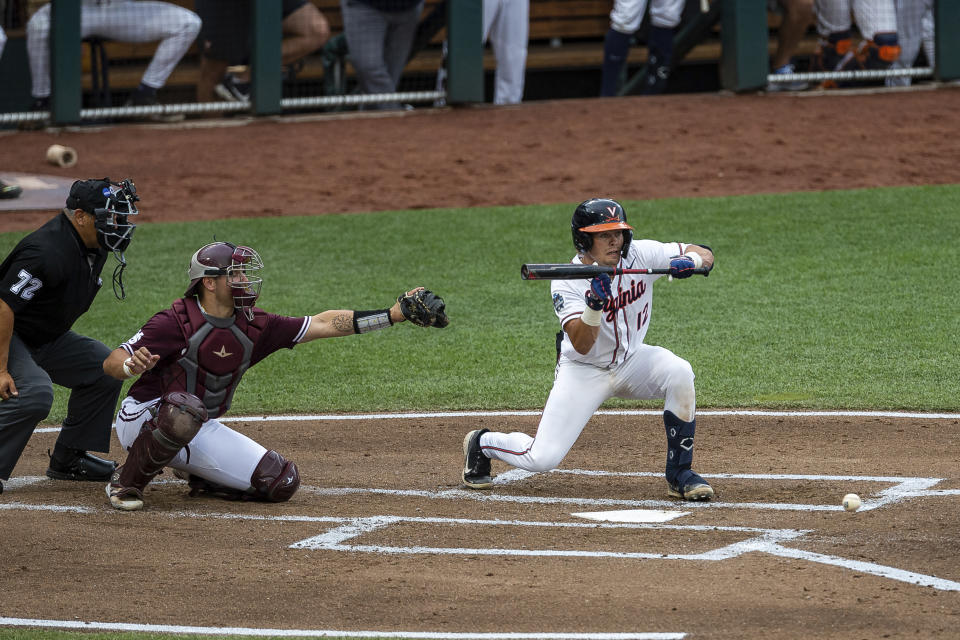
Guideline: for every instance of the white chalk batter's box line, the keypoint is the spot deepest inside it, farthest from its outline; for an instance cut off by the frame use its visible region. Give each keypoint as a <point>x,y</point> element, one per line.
<point>324,633</point>
<point>764,540</point>
<point>602,412</point>
<point>902,489</point>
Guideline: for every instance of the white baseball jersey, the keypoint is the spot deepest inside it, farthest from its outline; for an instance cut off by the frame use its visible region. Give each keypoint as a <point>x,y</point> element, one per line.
<point>626,315</point>
<point>124,21</point>
<point>873,16</point>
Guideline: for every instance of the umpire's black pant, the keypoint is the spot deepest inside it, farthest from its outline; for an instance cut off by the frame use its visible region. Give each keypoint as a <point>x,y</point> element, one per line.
<point>72,361</point>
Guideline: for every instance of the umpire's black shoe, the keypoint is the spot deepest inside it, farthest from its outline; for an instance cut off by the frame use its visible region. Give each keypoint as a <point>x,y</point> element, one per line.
<point>476,465</point>
<point>9,191</point>
<point>77,464</point>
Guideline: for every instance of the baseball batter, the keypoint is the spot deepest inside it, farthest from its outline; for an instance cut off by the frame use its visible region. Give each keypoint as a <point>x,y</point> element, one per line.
<point>190,359</point>
<point>625,19</point>
<point>602,355</point>
<point>877,22</point>
<point>123,21</point>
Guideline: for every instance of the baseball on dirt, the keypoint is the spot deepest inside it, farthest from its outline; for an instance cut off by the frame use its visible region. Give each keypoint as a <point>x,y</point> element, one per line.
<point>851,502</point>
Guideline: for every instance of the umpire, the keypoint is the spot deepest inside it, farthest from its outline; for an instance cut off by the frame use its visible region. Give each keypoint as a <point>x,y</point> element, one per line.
<point>48,281</point>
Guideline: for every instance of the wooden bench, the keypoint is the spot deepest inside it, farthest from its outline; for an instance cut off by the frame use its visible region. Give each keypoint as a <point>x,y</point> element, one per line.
<point>564,34</point>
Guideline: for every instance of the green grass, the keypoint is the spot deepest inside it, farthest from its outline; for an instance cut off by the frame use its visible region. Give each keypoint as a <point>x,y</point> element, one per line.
<point>828,300</point>
<point>833,300</point>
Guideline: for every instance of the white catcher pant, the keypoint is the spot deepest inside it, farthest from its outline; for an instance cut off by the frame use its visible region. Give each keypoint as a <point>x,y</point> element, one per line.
<point>217,452</point>
<point>627,15</point>
<point>580,389</point>
<point>124,21</point>
<point>873,16</point>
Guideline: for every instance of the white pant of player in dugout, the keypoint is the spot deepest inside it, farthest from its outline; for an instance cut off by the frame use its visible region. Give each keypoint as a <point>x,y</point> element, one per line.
<point>506,25</point>
<point>580,389</point>
<point>124,21</point>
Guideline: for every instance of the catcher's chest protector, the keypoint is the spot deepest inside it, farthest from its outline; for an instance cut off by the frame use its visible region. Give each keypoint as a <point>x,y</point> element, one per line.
<point>219,351</point>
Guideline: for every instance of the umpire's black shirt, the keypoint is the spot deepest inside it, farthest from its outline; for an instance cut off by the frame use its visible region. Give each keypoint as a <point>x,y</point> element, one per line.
<point>49,280</point>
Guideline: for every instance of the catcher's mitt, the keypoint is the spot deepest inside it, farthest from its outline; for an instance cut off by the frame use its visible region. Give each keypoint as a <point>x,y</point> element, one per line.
<point>423,308</point>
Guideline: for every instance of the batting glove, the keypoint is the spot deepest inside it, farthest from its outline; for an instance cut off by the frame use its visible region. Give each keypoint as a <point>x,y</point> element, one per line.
<point>599,292</point>
<point>682,266</point>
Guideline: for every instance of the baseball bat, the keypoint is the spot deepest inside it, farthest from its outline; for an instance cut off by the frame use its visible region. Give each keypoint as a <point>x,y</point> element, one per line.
<point>566,271</point>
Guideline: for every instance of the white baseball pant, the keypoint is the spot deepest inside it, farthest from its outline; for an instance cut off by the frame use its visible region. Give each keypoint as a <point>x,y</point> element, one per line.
<point>506,24</point>
<point>124,21</point>
<point>914,26</point>
<point>872,16</point>
<point>627,15</point>
<point>580,389</point>
<point>217,452</point>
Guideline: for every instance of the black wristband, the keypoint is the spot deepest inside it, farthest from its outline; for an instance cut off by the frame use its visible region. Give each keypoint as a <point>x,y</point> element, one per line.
<point>367,321</point>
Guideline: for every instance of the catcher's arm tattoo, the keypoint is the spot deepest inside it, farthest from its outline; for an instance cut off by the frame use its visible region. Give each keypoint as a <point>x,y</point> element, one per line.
<point>343,322</point>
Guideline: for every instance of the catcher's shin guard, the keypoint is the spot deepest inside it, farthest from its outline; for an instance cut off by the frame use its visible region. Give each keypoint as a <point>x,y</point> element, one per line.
<point>275,479</point>
<point>178,419</point>
<point>683,482</point>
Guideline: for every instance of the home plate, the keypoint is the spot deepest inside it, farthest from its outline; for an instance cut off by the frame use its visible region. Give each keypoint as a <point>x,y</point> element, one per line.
<point>632,515</point>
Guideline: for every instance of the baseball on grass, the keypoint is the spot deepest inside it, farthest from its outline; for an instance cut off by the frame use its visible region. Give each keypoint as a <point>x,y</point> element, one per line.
<point>851,502</point>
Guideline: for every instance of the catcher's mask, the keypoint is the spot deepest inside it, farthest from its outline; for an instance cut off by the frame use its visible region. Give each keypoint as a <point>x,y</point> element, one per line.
<point>111,204</point>
<point>595,215</point>
<point>241,265</point>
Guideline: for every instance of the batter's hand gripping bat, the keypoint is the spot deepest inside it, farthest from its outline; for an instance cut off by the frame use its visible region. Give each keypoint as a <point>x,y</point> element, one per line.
<point>567,271</point>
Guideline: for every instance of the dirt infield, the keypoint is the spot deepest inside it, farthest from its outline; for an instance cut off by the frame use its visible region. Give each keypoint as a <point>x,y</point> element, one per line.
<point>563,151</point>
<point>380,537</point>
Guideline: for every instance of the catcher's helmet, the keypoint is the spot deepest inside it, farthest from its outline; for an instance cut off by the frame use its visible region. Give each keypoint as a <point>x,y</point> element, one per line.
<point>240,264</point>
<point>599,214</point>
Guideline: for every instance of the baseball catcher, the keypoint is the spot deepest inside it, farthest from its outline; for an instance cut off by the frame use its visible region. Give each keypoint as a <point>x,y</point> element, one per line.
<point>190,358</point>
<point>601,354</point>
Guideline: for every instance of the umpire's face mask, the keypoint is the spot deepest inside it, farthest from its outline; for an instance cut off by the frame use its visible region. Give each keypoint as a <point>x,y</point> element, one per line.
<point>114,229</point>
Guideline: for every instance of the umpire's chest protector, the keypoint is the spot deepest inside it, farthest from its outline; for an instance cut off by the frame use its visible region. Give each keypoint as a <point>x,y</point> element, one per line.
<point>219,351</point>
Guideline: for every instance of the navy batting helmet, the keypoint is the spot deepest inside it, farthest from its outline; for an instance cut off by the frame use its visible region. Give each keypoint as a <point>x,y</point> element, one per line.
<point>599,214</point>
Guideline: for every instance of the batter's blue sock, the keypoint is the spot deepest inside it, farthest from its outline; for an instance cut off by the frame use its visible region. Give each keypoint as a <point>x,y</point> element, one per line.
<point>616,46</point>
<point>679,448</point>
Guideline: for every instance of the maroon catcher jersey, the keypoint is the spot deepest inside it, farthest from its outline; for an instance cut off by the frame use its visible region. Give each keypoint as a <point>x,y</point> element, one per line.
<point>208,358</point>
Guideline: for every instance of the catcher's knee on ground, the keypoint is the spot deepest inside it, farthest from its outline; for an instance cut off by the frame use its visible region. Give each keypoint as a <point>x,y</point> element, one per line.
<point>275,479</point>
